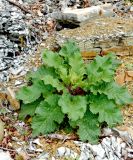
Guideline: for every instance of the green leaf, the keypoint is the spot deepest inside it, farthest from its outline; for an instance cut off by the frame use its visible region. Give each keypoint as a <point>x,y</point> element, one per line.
<point>118,93</point>
<point>89,128</point>
<point>49,90</point>
<point>77,64</point>
<point>102,69</point>
<point>54,82</point>
<point>63,74</point>
<point>54,60</point>
<point>97,88</point>
<point>74,106</point>
<point>68,49</point>
<point>47,118</point>
<point>31,93</point>
<point>113,91</point>
<point>52,99</point>
<point>77,70</point>
<point>107,109</point>
<point>28,109</point>
<point>41,72</point>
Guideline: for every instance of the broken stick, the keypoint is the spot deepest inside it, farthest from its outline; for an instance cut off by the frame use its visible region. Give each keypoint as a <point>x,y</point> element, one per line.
<point>19,6</point>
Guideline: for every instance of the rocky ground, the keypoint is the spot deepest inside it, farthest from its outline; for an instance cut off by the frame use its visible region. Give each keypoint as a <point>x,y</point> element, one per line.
<point>26,27</point>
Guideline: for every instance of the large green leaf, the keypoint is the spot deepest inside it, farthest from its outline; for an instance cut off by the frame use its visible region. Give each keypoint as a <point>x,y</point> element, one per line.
<point>63,74</point>
<point>113,91</point>
<point>49,90</point>
<point>52,99</point>
<point>107,109</point>
<point>102,69</point>
<point>28,109</point>
<point>41,72</point>
<point>68,49</point>
<point>89,128</point>
<point>31,93</point>
<point>52,59</point>
<point>47,118</point>
<point>118,93</point>
<point>54,82</point>
<point>77,64</point>
<point>77,70</point>
<point>74,106</point>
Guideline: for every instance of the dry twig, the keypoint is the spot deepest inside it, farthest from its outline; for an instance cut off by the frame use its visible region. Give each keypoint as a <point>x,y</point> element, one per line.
<point>19,6</point>
<point>61,137</point>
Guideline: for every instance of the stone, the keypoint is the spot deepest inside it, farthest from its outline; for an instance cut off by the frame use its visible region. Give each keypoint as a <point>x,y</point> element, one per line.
<point>83,15</point>
<point>17,71</point>
<point>5,155</point>
<point>66,152</point>
<point>131,9</point>
<point>43,156</point>
<point>98,151</point>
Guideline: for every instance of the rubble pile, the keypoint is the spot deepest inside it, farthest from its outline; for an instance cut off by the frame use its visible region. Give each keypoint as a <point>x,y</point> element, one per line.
<point>16,38</point>
<point>15,34</point>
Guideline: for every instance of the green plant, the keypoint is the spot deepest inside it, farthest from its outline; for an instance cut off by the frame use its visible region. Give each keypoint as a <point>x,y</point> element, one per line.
<point>65,90</point>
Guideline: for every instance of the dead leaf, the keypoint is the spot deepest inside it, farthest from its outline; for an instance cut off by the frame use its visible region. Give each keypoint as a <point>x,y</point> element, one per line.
<point>120,78</point>
<point>15,104</point>
<point>2,96</point>
<point>1,130</point>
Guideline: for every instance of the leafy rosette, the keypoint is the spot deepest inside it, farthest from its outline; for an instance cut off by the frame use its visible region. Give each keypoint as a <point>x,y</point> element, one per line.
<point>66,88</point>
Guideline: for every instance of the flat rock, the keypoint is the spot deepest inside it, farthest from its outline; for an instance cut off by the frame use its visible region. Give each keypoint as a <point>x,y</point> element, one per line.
<point>83,15</point>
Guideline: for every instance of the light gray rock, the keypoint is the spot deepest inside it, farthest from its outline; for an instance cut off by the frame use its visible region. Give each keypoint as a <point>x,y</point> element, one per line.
<point>66,152</point>
<point>5,155</point>
<point>131,9</point>
<point>82,15</point>
<point>98,151</point>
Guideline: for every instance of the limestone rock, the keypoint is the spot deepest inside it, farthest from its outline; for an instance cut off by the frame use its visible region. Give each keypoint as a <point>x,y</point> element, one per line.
<point>77,16</point>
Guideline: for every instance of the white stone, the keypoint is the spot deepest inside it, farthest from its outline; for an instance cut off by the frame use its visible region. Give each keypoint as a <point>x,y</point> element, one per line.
<point>131,9</point>
<point>107,131</point>
<point>84,14</point>
<point>43,156</point>
<point>123,145</point>
<point>37,141</point>
<point>17,71</point>
<point>98,150</point>
<point>5,155</point>
<point>17,82</point>
<point>66,152</point>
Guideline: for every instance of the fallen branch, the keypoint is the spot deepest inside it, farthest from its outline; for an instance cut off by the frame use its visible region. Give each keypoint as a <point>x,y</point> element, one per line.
<point>61,137</point>
<point>19,6</point>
